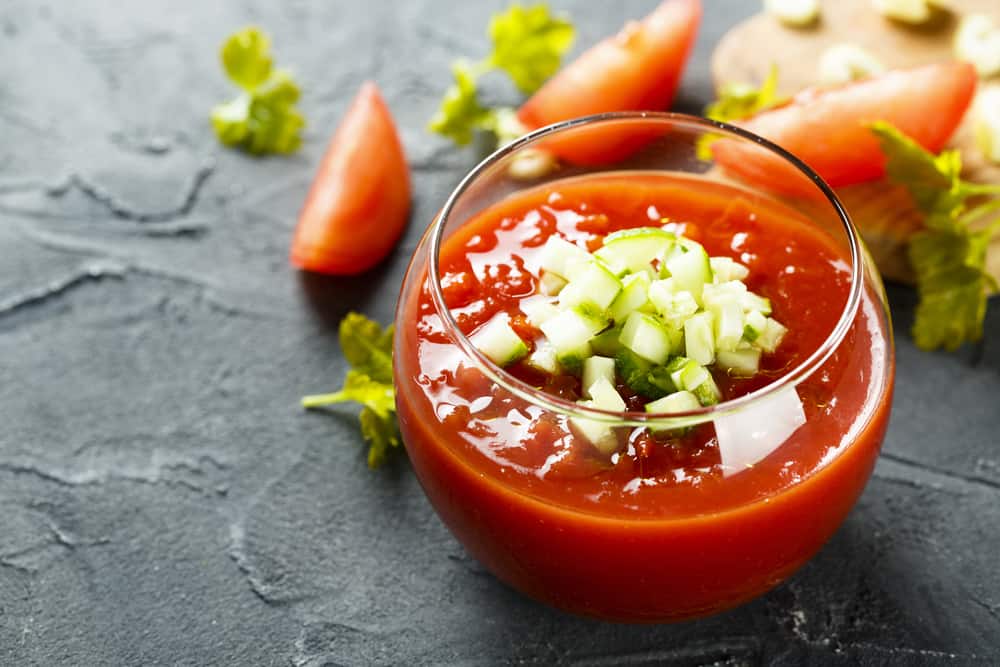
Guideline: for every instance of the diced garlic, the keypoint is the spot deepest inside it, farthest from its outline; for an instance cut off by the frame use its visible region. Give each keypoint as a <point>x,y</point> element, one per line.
<point>977,41</point>
<point>795,13</point>
<point>907,11</point>
<point>843,63</point>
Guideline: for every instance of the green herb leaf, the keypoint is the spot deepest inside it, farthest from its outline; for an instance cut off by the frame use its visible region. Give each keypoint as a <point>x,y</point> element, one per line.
<point>246,57</point>
<point>528,44</point>
<point>948,258</point>
<point>368,348</point>
<point>461,114</point>
<point>739,101</point>
<point>264,118</point>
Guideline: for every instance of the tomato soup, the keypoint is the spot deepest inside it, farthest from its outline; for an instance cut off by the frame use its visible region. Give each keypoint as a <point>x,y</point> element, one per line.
<point>662,528</point>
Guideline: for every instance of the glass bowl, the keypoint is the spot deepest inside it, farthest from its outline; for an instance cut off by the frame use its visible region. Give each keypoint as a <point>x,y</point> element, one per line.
<point>655,530</point>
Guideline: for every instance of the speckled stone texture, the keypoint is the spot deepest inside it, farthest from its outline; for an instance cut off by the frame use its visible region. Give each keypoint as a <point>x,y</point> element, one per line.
<point>164,500</point>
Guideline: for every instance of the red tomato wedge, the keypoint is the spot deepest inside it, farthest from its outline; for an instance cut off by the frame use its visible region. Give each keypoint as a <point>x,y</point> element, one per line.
<point>827,128</point>
<point>638,69</point>
<point>359,201</point>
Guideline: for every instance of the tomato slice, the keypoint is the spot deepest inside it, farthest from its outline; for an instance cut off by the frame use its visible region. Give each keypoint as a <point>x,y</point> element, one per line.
<point>827,128</point>
<point>638,69</point>
<point>359,201</point>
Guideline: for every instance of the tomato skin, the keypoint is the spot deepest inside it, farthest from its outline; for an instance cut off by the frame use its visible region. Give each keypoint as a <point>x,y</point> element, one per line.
<point>828,130</point>
<point>359,201</point>
<point>637,69</point>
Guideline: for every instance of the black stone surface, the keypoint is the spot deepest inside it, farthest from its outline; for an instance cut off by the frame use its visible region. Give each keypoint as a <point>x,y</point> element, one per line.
<point>165,502</point>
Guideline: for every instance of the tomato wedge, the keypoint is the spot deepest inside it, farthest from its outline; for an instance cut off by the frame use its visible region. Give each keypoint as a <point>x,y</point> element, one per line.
<point>827,128</point>
<point>637,69</point>
<point>359,201</point>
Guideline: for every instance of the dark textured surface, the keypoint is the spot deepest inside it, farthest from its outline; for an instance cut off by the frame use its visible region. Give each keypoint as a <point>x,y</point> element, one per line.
<point>164,500</point>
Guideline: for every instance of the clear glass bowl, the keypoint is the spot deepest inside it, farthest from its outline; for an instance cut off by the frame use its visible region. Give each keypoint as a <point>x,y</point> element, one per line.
<point>517,485</point>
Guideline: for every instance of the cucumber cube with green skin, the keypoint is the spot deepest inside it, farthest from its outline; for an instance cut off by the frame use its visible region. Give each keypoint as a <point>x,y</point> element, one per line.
<point>699,340</point>
<point>756,322</point>
<point>770,338</point>
<point>726,268</point>
<point>550,283</point>
<point>543,359</point>
<point>563,258</point>
<point>594,285</point>
<point>571,330</point>
<point>606,343</point>
<point>641,376</point>
<point>690,268</point>
<point>751,302</point>
<point>539,309</point>
<point>708,392</point>
<point>604,396</point>
<point>634,295</point>
<point>600,434</point>
<point>743,363</point>
<point>732,290</point>
<point>676,370</point>
<point>681,401</point>
<point>633,250</point>
<point>648,337</point>
<point>499,342</point>
<point>597,368</point>
<point>728,318</point>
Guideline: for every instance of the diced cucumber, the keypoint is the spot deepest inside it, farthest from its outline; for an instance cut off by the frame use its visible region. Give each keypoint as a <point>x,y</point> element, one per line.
<point>604,396</point>
<point>751,302</point>
<point>680,401</point>
<point>551,283</point>
<point>544,358</point>
<point>739,362</point>
<point>539,309</point>
<point>648,337</point>
<point>597,368</point>
<point>599,433</point>
<point>641,376</point>
<point>569,332</point>
<point>499,342</point>
<point>633,296</point>
<point>731,290</point>
<point>633,250</point>
<point>729,321</point>
<point>699,342</point>
<point>675,306</point>
<point>770,338</point>
<point>707,392</point>
<point>595,285</point>
<point>606,343</point>
<point>563,258</point>
<point>690,268</point>
<point>725,269</point>
<point>756,322</point>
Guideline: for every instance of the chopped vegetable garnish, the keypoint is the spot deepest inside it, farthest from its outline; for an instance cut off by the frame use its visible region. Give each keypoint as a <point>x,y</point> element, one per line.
<point>948,257</point>
<point>977,41</point>
<point>795,13</point>
<point>843,63</point>
<point>528,44</point>
<point>263,119</point>
<point>368,349</point>
<point>739,101</point>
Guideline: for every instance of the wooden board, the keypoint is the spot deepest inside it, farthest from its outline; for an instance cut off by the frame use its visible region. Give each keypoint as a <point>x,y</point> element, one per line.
<point>881,211</point>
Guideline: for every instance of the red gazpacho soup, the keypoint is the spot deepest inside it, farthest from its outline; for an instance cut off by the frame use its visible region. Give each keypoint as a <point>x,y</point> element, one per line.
<point>685,293</point>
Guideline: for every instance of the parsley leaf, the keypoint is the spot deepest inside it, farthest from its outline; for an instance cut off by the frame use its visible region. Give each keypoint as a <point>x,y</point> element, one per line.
<point>948,258</point>
<point>528,44</point>
<point>739,101</point>
<point>368,348</point>
<point>263,118</point>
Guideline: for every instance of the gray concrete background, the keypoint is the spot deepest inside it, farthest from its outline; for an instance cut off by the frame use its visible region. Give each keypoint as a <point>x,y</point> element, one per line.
<point>164,501</point>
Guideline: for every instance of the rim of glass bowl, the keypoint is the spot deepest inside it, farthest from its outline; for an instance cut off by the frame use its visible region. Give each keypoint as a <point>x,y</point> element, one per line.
<point>633,418</point>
